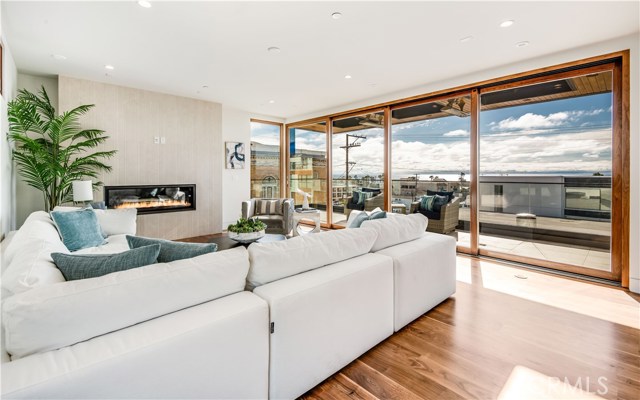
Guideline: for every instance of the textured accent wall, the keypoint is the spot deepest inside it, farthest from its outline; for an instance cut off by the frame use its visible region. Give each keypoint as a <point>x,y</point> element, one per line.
<point>193,151</point>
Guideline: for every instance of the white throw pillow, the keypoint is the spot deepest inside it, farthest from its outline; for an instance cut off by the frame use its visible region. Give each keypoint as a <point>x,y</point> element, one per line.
<point>399,229</point>
<point>56,316</point>
<point>117,222</point>
<point>276,260</point>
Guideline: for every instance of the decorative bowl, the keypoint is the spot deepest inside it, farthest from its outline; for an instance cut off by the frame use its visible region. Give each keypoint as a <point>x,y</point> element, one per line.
<point>246,237</point>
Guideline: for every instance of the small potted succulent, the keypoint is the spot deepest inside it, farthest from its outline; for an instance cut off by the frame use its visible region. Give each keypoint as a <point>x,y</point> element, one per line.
<point>247,230</point>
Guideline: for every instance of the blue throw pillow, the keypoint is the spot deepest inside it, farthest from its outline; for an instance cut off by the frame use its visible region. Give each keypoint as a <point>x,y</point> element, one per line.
<point>356,197</point>
<point>173,251</point>
<point>439,201</point>
<point>78,229</point>
<point>360,218</point>
<point>426,203</point>
<point>84,266</point>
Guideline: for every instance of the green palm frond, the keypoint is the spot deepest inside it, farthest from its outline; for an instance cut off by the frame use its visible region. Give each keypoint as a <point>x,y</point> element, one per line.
<point>50,150</point>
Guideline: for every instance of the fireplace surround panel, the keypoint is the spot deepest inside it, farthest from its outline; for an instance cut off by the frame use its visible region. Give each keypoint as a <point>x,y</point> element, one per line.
<point>150,199</point>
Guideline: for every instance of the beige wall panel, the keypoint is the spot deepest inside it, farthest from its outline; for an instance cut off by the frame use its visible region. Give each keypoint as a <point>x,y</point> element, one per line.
<point>192,153</point>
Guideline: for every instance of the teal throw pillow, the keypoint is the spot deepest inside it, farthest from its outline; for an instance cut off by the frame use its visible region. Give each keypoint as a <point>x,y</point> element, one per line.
<point>173,251</point>
<point>84,266</point>
<point>356,197</point>
<point>360,218</point>
<point>78,229</point>
<point>426,203</point>
<point>439,201</point>
<point>362,196</point>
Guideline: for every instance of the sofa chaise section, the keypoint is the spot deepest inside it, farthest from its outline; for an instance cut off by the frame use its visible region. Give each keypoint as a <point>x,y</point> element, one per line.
<point>218,349</point>
<point>324,319</point>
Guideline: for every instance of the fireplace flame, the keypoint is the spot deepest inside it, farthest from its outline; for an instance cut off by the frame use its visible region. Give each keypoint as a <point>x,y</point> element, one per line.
<point>153,203</point>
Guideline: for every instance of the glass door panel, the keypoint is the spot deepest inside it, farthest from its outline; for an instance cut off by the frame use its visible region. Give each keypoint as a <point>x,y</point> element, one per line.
<point>308,165</point>
<point>358,165</point>
<point>431,155</point>
<point>265,160</point>
<point>545,173</point>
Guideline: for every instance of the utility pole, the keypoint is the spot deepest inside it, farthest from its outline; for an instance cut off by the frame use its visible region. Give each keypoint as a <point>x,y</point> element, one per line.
<point>346,148</point>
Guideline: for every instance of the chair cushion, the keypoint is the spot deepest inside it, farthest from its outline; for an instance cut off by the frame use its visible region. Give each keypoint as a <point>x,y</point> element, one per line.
<point>83,266</point>
<point>269,206</point>
<point>172,251</point>
<point>430,214</point>
<point>78,229</point>
<point>399,229</point>
<point>277,260</point>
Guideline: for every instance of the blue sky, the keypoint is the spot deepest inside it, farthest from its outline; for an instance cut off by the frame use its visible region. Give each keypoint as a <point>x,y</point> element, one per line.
<point>570,136</point>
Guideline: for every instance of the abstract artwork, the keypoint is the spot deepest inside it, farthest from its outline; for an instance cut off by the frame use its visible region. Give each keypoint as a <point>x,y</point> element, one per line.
<point>234,152</point>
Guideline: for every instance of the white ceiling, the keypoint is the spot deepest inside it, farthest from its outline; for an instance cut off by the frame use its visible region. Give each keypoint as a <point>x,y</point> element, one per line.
<point>177,47</point>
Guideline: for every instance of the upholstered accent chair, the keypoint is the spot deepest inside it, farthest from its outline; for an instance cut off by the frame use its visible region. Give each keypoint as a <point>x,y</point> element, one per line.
<point>368,204</point>
<point>444,221</point>
<point>277,214</point>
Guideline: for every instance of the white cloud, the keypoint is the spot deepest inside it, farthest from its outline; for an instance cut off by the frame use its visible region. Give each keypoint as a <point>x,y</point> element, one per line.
<point>457,133</point>
<point>531,120</point>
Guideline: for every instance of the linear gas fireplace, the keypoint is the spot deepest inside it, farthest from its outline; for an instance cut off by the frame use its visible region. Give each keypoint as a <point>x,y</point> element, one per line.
<point>149,199</point>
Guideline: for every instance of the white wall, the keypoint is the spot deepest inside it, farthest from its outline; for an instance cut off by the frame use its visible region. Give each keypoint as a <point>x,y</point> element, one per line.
<point>236,183</point>
<point>30,199</point>
<point>7,181</point>
<point>631,42</point>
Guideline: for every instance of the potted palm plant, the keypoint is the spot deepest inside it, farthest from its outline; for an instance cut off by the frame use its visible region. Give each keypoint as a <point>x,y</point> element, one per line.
<point>50,150</point>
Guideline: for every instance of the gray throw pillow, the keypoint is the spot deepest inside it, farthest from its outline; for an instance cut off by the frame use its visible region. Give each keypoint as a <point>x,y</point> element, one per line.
<point>172,251</point>
<point>78,229</point>
<point>84,266</point>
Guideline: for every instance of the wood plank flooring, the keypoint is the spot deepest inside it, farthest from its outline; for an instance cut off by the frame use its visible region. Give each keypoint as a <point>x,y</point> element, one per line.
<point>504,337</point>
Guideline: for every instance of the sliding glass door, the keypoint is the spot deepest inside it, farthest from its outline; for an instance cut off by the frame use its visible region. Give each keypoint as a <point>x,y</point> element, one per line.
<point>308,165</point>
<point>545,187</point>
<point>431,156</point>
<point>357,150</point>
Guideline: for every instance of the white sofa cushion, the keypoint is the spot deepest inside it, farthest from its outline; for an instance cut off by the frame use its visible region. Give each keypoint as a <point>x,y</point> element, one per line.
<point>276,260</point>
<point>115,244</point>
<point>29,255</point>
<point>424,275</point>
<point>398,229</point>
<point>324,319</point>
<point>117,222</point>
<point>55,316</point>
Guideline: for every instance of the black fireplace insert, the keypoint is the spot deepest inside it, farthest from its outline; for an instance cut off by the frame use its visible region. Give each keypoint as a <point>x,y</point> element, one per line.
<point>150,199</point>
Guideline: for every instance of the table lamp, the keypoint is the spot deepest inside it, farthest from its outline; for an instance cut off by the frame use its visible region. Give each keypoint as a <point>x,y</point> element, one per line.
<point>82,191</point>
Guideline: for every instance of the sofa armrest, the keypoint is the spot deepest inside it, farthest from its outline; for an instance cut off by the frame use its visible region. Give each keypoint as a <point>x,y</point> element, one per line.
<point>219,349</point>
<point>415,207</point>
<point>287,214</point>
<point>248,208</point>
<point>375,201</point>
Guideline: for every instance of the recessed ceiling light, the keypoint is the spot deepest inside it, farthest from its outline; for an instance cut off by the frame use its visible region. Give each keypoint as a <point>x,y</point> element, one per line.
<point>144,4</point>
<point>466,39</point>
<point>347,77</point>
<point>271,101</point>
<point>524,43</point>
<point>507,23</point>
<point>273,49</point>
<point>205,87</point>
<point>336,15</point>
<point>59,57</point>
<point>109,67</point>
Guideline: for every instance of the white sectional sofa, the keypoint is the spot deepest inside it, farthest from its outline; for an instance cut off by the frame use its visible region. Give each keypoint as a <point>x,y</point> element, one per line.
<point>191,329</point>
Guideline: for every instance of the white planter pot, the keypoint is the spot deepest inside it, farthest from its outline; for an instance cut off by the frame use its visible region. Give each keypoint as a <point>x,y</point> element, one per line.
<point>246,237</point>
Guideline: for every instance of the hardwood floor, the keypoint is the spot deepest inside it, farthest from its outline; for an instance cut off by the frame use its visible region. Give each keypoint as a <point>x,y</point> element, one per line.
<point>501,336</point>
